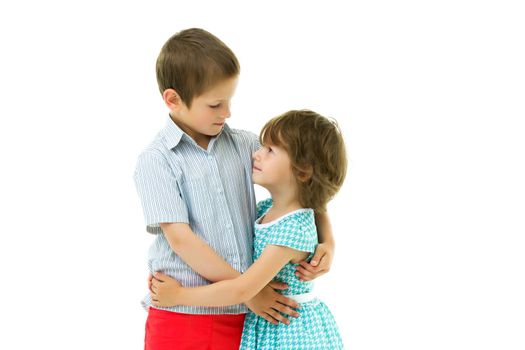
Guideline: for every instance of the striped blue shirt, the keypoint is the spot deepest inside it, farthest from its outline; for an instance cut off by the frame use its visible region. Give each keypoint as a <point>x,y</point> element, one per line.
<point>211,190</point>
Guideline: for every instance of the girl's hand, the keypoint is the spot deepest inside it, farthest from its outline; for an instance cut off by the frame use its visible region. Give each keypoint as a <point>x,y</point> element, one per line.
<point>163,290</point>
<point>319,265</point>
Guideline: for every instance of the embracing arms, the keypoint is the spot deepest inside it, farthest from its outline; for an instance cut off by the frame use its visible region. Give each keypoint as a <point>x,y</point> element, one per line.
<point>232,291</point>
<point>194,251</point>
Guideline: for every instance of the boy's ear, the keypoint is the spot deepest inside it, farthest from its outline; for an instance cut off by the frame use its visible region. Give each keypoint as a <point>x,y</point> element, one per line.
<point>172,99</point>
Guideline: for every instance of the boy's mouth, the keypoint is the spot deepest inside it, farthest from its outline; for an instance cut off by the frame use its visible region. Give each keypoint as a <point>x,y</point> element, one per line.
<point>256,168</point>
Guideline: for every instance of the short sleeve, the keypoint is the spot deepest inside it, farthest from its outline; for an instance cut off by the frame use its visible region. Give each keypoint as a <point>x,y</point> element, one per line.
<point>159,193</point>
<point>254,142</point>
<point>263,206</point>
<point>297,231</point>
<point>248,140</point>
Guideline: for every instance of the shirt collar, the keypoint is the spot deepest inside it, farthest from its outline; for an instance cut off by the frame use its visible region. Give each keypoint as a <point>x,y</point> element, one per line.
<point>173,134</point>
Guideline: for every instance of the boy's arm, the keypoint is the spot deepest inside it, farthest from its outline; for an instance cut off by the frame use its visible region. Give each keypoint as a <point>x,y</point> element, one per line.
<point>197,253</point>
<point>324,253</point>
<point>324,229</point>
<point>157,184</point>
<point>232,291</point>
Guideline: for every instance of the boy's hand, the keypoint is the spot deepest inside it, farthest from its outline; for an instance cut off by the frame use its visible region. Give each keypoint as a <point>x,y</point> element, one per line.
<point>163,289</point>
<point>319,265</point>
<point>268,303</point>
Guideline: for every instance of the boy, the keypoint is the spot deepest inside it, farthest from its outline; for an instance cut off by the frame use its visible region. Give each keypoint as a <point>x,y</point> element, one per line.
<point>194,183</point>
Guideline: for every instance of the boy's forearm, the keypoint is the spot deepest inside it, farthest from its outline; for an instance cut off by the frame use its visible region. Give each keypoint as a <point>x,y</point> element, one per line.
<point>205,261</point>
<point>324,229</point>
<point>197,253</point>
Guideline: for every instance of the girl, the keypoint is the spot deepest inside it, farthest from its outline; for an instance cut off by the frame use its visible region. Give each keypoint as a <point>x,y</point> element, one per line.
<point>302,163</point>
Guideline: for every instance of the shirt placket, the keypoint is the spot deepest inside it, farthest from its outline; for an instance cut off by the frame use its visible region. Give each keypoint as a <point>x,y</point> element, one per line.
<point>225,216</point>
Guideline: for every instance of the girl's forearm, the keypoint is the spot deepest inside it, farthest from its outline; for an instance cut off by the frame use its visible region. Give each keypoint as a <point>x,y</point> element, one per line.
<point>243,288</point>
<point>224,293</point>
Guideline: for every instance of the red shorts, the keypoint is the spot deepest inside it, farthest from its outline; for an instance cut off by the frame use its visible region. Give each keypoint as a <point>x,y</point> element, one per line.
<point>166,330</point>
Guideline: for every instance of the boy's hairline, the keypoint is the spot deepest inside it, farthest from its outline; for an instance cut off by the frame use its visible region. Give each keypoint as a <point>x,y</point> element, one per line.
<point>211,87</point>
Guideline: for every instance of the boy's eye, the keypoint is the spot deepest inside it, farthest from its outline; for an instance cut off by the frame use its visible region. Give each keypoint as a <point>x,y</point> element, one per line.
<point>270,150</point>
<point>216,106</point>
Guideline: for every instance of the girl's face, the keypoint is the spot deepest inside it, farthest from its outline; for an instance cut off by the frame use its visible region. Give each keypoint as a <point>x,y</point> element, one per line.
<point>272,169</point>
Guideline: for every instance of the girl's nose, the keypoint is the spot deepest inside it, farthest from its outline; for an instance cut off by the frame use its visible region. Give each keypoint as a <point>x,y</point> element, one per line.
<point>256,154</point>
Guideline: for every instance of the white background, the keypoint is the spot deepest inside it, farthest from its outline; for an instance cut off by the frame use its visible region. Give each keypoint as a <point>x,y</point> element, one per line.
<point>429,225</point>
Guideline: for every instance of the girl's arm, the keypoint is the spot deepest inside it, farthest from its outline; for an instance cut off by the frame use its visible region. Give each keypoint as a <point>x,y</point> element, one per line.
<point>233,291</point>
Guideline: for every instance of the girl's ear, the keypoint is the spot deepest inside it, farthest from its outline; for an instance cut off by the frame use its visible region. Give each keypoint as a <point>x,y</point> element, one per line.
<point>172,99</point>
<point>304,173</point>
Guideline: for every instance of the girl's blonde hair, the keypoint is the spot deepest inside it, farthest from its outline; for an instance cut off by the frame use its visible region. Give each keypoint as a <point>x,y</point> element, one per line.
<point>317,153</point>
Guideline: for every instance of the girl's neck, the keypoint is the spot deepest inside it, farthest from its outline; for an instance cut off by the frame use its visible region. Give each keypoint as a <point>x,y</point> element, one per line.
<point>282,205</point>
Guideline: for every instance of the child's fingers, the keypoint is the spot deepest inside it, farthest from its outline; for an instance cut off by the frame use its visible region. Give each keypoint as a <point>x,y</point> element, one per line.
<point>305,272</point>
<point>155,285</point>
<point>277,316</point>
<point>302,271</point>
<point>323,264</point>
<point>304,277</point>
<point>278,285</point>
<point>317,258</point>
<point>306,266</point>
<point>288,302</point>
<point>160,276</point>
<point>286,310</point>
<point>269,318</point>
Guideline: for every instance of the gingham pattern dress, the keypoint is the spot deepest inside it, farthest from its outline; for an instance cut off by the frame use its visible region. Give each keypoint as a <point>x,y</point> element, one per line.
<point>315,328</point>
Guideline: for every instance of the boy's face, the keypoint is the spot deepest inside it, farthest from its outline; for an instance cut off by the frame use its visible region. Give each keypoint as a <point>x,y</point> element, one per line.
<point>272,169</point>
<point>208,112</point>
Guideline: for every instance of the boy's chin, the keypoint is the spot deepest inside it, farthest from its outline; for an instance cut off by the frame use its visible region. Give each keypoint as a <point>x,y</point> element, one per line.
<point>215,132</point>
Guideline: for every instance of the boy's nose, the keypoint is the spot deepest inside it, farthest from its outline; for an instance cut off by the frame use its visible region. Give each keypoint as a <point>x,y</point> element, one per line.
<point>227,112</point>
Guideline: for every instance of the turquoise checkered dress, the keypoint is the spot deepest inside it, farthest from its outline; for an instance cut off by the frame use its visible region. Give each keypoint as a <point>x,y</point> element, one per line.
<point>315,328</point>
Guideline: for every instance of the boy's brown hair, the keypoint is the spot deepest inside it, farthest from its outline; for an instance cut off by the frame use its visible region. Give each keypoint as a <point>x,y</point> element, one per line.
<point>192,62</point>
<point>317,153</point>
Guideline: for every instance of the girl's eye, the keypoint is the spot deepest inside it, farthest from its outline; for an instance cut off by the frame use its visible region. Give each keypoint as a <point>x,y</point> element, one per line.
<point>216,106</point>
<point>270,150</point>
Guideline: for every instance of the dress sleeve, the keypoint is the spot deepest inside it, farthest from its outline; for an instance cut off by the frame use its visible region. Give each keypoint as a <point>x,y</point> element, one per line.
<point>159,193</point>
<point>297,232</point>
<point>263,206</point>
